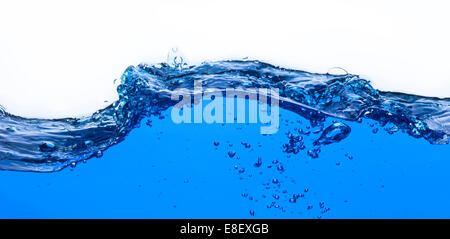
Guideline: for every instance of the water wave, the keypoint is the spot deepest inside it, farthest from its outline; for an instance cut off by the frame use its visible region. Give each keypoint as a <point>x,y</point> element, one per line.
<point>43,145</point>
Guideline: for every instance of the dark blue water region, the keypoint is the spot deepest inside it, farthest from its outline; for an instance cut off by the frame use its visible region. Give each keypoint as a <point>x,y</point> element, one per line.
<point>167,170</point>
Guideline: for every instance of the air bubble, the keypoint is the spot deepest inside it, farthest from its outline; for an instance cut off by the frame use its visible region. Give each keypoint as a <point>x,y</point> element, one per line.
<point>47,147</point>
<point>231,154</point>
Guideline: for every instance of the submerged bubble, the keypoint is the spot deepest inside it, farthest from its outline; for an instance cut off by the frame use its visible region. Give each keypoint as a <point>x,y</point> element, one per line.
<point>11,129</point>
<point>280,168</point>
<point>333,134</point>
<point>313,153</point>
<point>231,154</point>
<point>246,145</point>
<point>258,162</point>
<point>47,147</point>
<point>99,154</point>
<point>88,143</point>
<point>391,129</point>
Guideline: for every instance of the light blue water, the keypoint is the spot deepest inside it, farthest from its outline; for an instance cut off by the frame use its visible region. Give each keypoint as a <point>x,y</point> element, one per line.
<point>170,170</point>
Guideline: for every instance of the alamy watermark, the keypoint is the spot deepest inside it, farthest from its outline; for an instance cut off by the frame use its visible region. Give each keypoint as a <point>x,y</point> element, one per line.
<point>208,105</point>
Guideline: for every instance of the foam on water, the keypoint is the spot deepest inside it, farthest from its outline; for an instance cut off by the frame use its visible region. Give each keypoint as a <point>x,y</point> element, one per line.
<point>43,145</point>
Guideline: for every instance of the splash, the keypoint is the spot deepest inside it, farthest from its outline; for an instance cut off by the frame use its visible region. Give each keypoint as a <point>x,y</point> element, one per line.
<point>42,145</point>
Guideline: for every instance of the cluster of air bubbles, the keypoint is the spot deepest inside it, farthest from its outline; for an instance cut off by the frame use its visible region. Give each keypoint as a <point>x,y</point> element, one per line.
<point>278,195</point>
<point>348,156</point>
<point>314,153</point>
<point>245,144</point>
<point>391,128</point>
<point>294,145</point>
<point>149,123</point>
<point>295,197</point>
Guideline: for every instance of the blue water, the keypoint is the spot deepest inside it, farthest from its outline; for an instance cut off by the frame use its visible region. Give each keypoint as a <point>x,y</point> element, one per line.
<point>343,150</point>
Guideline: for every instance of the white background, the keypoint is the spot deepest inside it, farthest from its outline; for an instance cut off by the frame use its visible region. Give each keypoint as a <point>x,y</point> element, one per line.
<point>59,58</point>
